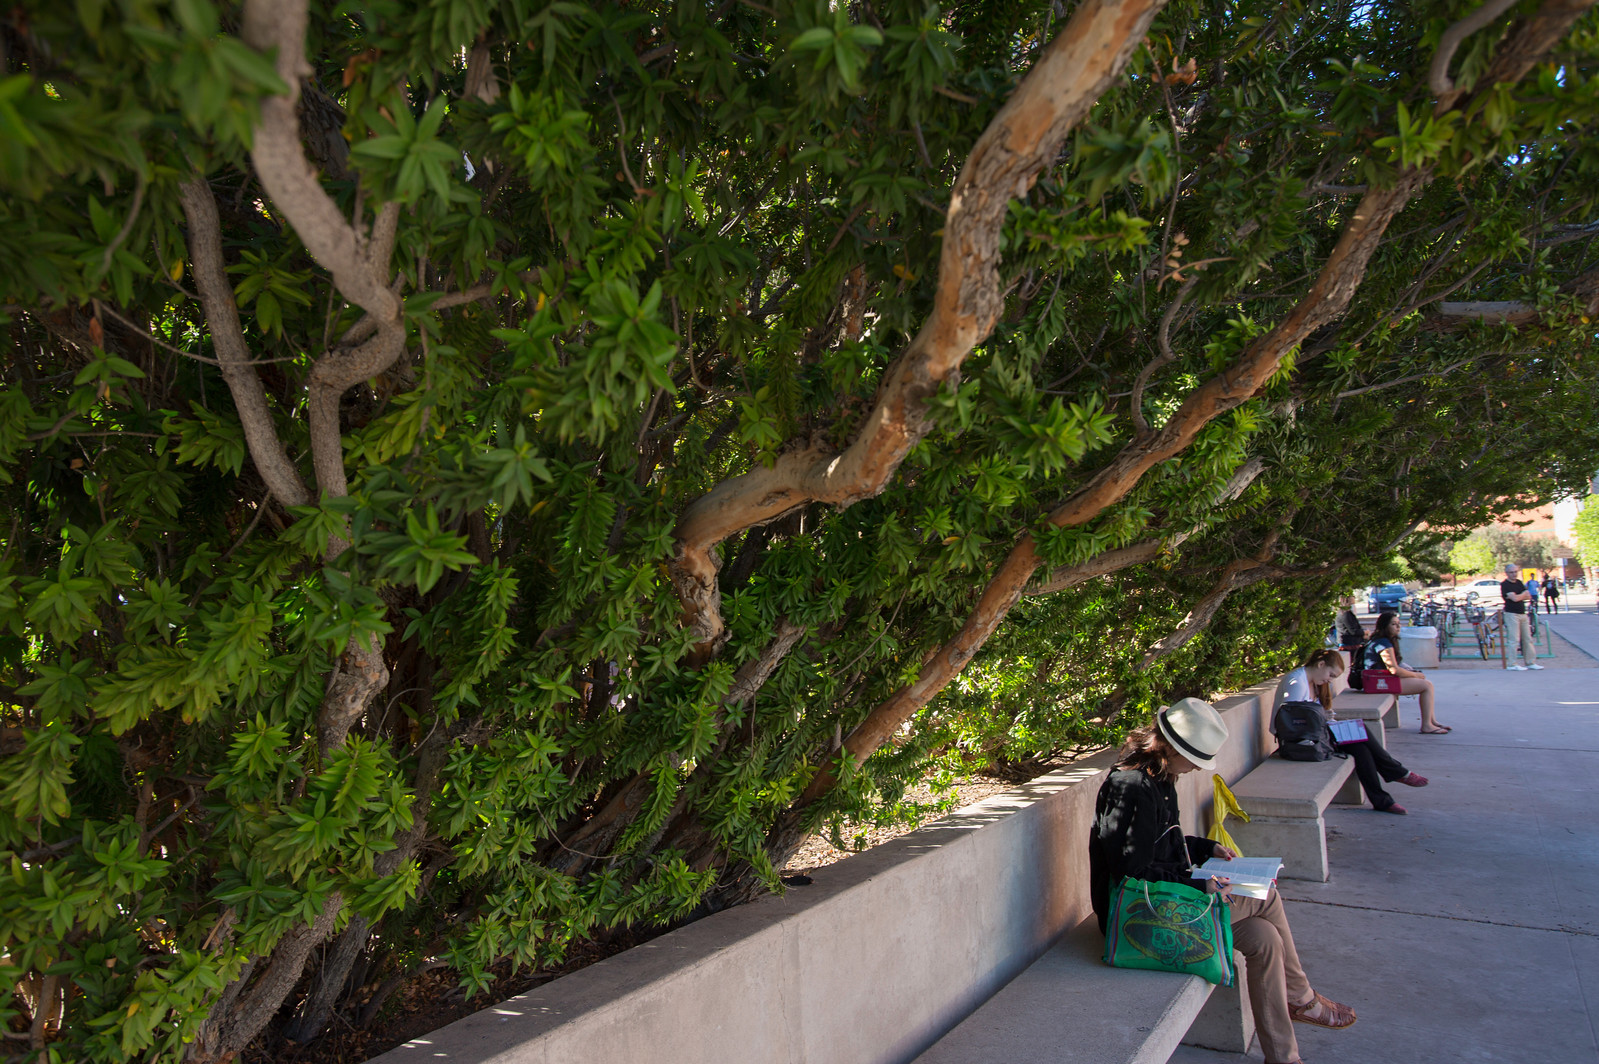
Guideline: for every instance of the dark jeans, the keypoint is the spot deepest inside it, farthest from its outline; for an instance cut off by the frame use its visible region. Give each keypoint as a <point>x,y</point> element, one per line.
<point>1373,765</point>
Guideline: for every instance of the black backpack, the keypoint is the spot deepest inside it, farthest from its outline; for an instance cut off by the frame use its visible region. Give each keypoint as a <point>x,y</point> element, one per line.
<point>1301,731</point>
<point>1357,662</point>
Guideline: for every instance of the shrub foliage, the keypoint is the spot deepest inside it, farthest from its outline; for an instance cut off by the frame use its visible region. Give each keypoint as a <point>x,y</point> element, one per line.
<point>484,473</point>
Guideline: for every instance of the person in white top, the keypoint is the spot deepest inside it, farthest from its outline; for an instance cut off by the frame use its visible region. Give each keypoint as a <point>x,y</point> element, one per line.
<point>1312,682</point>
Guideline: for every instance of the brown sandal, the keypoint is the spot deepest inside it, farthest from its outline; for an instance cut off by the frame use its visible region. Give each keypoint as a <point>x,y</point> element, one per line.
<point>1335,1016</point>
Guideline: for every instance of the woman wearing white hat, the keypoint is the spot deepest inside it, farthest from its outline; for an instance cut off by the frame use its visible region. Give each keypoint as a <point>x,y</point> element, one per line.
<point>1133,835</point>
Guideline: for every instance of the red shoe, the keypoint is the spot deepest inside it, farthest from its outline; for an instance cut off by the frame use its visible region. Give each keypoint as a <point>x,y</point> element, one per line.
<point>1395,808</point>
<point>1413,780</point>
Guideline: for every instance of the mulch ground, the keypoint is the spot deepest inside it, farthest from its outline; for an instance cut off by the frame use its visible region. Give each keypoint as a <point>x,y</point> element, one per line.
<point>819,851</point>
<point>426,1003</point>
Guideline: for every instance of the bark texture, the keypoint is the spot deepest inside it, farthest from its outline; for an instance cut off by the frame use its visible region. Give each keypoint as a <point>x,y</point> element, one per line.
<point>357,261</point>
<point>1111,561</point>
<point>1510,312</point>
<point>317,1009</point>
<point>1328,297</point>
<point>246,1008</point>
<point>359,264</point>
<point>1024,138</point>
<point>227,340</point>
<point>1235,577</point>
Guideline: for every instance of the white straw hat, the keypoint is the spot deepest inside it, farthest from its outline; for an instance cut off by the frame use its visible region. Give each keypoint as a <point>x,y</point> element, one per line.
<point>1194,729</point>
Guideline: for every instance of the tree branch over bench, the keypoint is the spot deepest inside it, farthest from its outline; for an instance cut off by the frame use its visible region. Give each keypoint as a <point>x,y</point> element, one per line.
<point>1067,576</point>
<point>1024,138</point>
<point>1328,297</point>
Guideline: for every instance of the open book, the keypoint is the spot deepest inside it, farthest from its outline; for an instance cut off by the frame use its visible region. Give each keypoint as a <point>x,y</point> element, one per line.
<point>1348,731</point>
<point>1251,877</point>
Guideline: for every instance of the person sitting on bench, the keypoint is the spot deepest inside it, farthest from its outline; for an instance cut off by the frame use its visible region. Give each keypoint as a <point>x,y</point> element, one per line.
<point>1133,817</point>
<point>1383,653</point>
<point>1312,682</point>
<point>1350,631</point>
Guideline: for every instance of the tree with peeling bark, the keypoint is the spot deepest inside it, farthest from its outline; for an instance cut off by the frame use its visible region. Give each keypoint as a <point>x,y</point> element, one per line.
<point>485,477</point>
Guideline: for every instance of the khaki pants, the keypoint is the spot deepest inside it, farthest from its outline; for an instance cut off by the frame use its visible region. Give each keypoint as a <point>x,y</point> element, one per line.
<point>1523,627</point>
<point>1260,933</point>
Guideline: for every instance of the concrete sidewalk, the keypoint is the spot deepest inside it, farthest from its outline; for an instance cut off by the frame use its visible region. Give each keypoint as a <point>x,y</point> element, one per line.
<point>1580,627</point>
<point>1469,929</point>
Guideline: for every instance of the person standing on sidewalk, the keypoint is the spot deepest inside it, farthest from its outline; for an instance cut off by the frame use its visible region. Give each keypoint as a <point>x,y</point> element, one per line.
<point>1551,594</point>
<point>1516,597</point>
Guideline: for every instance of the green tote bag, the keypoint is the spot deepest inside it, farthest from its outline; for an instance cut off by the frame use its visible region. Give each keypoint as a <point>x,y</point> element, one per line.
<point>1169,927</point>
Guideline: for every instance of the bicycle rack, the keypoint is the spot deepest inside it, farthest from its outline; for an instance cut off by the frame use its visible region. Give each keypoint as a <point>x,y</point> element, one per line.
<point>1545,637</point>
<point>1464,640</point>
<point>1461,642</point>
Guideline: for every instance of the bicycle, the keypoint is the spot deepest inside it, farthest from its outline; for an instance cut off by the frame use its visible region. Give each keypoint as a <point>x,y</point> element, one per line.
<point>1477,617</point>
<point>1419,609</point>
<point>1494,629</point>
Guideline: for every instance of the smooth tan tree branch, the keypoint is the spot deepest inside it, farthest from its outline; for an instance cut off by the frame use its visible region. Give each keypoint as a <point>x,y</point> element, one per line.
<point>359,266</point>
<point>1514,312</point>
<point>292,183</point>
<point>1327,299</point>
<point>1167,356</point>
<point>1067,576</point>
<point>1233,572</point>
<point>1236,577</point>
<point>1454,36</point>
<point>1233,576</point>
<point>1406,380</point>
<point>358,263</point>
<point>1112,561</point>
<point>233,354</point>
<point>1528,44</point>
<point>1023,138</point>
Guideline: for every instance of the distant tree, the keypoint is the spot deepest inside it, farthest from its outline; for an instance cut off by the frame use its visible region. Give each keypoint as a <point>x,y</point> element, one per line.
<point>1538,551</point>
<point>1510,547</point>
<point>1471,556</point>
<point>1586,532</point>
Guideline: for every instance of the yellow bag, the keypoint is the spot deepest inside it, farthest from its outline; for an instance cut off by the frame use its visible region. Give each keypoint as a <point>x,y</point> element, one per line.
<point>1223,805</point>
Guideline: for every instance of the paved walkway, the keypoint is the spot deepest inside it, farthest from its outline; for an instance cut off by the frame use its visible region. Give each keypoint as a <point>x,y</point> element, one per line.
<point>1469,929</point>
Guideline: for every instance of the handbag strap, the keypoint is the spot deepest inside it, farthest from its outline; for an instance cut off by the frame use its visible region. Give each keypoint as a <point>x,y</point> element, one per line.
<point>1175,827</point>
<point>1210,902</point>
<point>1210,898</point>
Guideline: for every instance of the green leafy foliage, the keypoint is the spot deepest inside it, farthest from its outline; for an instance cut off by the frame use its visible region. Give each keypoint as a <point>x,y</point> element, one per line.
<point>445,702</point>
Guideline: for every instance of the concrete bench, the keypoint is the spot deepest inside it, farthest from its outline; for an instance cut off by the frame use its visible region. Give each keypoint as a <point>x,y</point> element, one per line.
<point>1070,1007</point>
<point>1353,705</point>
<point>1285,801</point>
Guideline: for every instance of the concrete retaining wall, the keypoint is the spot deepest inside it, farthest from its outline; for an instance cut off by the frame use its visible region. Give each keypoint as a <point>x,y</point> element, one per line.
<point>870,964</point>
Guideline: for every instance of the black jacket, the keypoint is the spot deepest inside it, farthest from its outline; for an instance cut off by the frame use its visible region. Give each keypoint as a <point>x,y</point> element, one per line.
<point>1133,820</point>
<point>1349,632</point>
